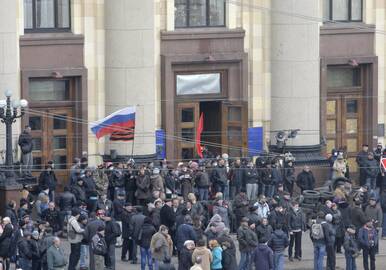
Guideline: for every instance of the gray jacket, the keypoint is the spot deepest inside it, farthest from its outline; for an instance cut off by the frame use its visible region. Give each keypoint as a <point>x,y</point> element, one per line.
<point>75,232</point>
<point>55,258</point>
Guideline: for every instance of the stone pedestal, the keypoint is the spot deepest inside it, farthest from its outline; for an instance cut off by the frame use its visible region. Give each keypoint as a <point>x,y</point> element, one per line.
<point>7,193</point>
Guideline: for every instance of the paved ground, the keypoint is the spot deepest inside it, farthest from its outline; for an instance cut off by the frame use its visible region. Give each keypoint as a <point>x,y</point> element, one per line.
<point>305,264</point>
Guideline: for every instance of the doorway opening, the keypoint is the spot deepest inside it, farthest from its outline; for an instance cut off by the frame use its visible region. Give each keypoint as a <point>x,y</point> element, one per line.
<point>211,136</point>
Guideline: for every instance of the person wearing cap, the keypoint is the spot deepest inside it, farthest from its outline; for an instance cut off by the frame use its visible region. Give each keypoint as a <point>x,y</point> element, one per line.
<point>98,248</point>
<point>339,167</point>
<point>56,259</point>
<point>127,244</point>
<point>79,190</point>
<point>75,237</point>
<point>338,226</point>
<point>374,212</point>
<point>330,245</point>
<point>368,241</point>
<point>351,249</point>
<point>371,171</point>
<point>361,160</point>
<point>247,243</point>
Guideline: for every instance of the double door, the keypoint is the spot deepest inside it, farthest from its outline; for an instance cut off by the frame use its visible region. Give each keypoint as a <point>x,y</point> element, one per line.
<point>225,128</point>
<point>344,125</point>
<point>53,140</point>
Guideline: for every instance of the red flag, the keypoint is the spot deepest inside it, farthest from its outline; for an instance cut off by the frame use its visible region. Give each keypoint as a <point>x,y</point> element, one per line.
<point>383,163</point>
<point>200,128</point>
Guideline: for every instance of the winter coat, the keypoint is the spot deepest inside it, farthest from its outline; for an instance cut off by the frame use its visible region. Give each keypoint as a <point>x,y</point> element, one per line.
<point>185,259</point>
<point>167,216</point>
<point>223,213</point>
<point>358,217</point>
<point>361,158</point>
<point>371,168</point>
<point>350,244</point>
<point>367,237</point>
<point>136,223</point>
<point>24,248</point>
<point>228,260</point>
<point>216,221</point>
<point>79,193</point>
<point>219,176</point>
<point>55,258</point>
<point>305,180</point>
<point>90,187</point>
<point>25,142</point>
<point>240,205</point>
<point>296,220</point>
<point>216,258</point>
<point>125,218</point>
<point>52,217</point>
<point>146,233</point>
<point>184,232</point>
<point>251,176</point>
<point>107,206</point>
<point>11,213</point>
<point>161,246</point>
<point>237,178</point>
<point>338,224</point>
<point>202,180</point>
<point>112,232</point>
<point>91,229</point>
<point>157,183</point>
<point>75,231</point>
<point>374,213</point>
<point>264,232</point>
<point>48,179</point>
<point>289,174</point>
<point>339,169</point>
<point>277,177</point>
<point>67,201</point>
<point>279,241</point>
<point>5,240</point>
<point>155,215</point>
<point>206,257</point>
<point>143,187</point>
<point>276,218</point>
<point>247,239</point>
<point>263,257</point>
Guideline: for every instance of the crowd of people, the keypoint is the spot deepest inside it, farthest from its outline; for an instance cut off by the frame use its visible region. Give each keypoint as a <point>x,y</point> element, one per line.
<point>202,212</point>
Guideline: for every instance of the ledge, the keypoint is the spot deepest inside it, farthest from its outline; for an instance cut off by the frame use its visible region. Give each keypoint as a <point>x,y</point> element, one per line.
<point>38,39</point>
<point>202,33</point>
<point>346,28</point>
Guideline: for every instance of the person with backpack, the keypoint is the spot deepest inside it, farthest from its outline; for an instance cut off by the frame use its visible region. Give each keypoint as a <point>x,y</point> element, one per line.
<point>319,233</point>
<point>112,232</point>
<point>351,250</point>
<point>75,237</point>
<point>99,249</point>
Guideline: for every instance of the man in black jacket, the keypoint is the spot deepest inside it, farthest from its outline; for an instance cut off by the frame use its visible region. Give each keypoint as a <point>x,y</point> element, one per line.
<point>127,245</point>
<point>236,179</point>
<point>305,180</point>
<point>278,243</point>
<point>247,243</point>
<point>25,251</point>
<point>112,231</point>
<point>296,225</point>
<point>48,178</point>
<point>25,143</point>
<point>219,176</point>
<point>167,215</point>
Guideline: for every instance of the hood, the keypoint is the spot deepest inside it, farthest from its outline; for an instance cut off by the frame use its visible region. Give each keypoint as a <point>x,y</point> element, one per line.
<point>263,247</point>
<point>216,218</point>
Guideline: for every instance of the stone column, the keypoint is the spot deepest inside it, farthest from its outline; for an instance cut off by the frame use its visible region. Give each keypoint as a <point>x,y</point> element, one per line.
<point>295,70</point>
<point>131,69</point>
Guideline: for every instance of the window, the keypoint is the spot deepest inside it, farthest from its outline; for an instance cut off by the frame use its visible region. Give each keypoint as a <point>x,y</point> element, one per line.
<point>49,90</point>
<point>198,84</point>
<point>342,10</point>
<point>338,77</point>
<point>199,13</point>
<point>46,15</point>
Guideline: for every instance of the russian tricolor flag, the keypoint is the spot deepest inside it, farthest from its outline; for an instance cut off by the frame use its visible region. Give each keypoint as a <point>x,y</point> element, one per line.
<point>118,122</point>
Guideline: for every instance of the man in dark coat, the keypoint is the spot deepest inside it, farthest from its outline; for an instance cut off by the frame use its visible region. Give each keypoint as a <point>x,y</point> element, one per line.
<point>278,243</point>
<point>52,217</point>
<point>25,143</point>
<point>263,257</point>
<point>361,161</point>
<point>247,243</point>
<point>167,215</point>
<point>236,179</point>
<point>135,225</point>
<point>112,232</point>
<point>305,180</point>
<point>127,245</point>
<point>185,232</point>
<point>219,176</point>
<point>48,178</point>
<point>296,225</point>
<point>372,170</point>
<point>147,232</point>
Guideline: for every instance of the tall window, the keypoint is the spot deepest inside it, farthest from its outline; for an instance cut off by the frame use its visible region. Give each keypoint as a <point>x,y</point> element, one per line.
<point>47,15</point>
<point>199,13</point>
<point>343,10</point>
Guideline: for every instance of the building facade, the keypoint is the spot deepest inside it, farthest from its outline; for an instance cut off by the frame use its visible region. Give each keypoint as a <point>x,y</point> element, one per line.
<point>251,68</point>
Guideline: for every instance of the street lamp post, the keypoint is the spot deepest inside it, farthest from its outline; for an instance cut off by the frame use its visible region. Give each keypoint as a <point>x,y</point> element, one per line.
<point>9,112</point>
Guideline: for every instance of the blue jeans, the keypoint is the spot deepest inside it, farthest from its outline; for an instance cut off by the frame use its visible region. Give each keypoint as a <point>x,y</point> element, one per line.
<point>245,260</point>
<point>350,262</point>
<point>371,182</point>
<point>384,225</point>
<point>83,256</point>
<point>278,260</point>
<point>203,193</point>
<point>319,253</point>
<point>25,264</point>
<point>146,258</point>
<point>268,190</point>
